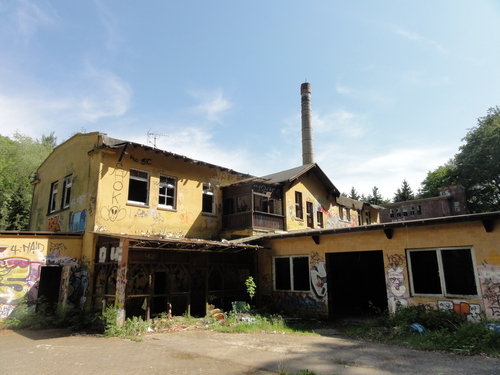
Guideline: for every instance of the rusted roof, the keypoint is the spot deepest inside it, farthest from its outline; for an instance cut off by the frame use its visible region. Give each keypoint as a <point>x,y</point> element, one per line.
<point>185,244</point>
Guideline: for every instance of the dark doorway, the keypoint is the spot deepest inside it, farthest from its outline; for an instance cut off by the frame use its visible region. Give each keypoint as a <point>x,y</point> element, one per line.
<point>49,286</point>
<point>356,283</point>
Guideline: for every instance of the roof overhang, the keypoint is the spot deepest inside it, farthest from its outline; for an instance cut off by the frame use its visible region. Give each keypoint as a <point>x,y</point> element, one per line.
<point>182,244</point>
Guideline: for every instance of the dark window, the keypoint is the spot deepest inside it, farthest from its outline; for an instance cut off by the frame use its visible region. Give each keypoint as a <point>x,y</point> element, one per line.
<point>208,206</point>
<point>53,196</point>
<point>291,273</point>
<point>138,187</point>
<point>367,218</point>
<point>67,184</point>
<point>412,211</point>
<point>309,213</point>
<point>299,213</point>
<point>419,210</point>
<point>229,206</point>
<point>391,213</point>
<point>319,219</point>
<point>442,272</point>
<point>167,192</point>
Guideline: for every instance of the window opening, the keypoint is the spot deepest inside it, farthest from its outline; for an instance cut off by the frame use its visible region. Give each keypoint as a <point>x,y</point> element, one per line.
<point>309,213</point>
<point>53,196</point>
<point>292,273</point>
<point>208,206</point>
<point>67,184</point>
<point>138,187</point>
<point>298,205</point>
<point>319,219</point>
<point>167,192</point>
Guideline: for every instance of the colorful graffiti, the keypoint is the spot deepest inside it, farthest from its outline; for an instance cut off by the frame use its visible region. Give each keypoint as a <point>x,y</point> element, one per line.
<point>395,279</point>
<point>78,221</point>
<point>489,277</point>
<point>18,279</point>
<point>470,311</point>
<point>318,275</point>
<point>54,223</point>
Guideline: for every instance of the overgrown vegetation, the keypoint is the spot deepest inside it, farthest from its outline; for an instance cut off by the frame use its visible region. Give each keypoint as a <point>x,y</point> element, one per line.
<point>444,330</point>
<point>420,327</point>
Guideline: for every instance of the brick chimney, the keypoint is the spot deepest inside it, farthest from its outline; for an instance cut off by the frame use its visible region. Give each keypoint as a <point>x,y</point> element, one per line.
<point>307,131</point>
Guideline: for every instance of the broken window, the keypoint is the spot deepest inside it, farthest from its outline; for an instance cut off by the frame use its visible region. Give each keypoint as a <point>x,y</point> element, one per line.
<point>299,213</point>
<point>309,213</point>
<point>208,202</point>
<point>412,211</point>
<point>443,272</point>
<point>391,213</point>
<point>53,196</point>
<point>398,212</point>
<point>368,219</point>
<point>167,194</point>
<point>405,211</point>
<point>419,210</point>
<point>138,189</point>
<point>291,273</point>
<point>67,184</point>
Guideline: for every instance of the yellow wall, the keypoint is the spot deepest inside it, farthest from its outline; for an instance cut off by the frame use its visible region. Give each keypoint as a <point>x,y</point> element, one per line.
<point>486,249</point>
<point>116,215</point>
<point>21,259</point>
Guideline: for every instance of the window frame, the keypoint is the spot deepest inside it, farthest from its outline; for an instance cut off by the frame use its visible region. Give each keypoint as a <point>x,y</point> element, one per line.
<point>299,209</point>
<point>208,190</point>
<point>310,214</point>
<point>319,219</point>
<point>441,273</point>
<point>166,196</point>
<point>145,180</point>
<point>66,196</point>
<point>54,189</point>
<point>293,279</point>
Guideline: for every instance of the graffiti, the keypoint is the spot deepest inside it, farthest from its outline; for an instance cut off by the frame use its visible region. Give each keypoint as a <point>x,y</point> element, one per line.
<point>77,221</point>
<point>318,274</point>
<point>470,311</point>
<point>115,212</point>
<point>143,161</point>
<point>54,223</point>
<point>78,286</point>
<point>142,213</point>
<point>102,254</point>
<point>186,218</point>
<point>395,260</point>
<point>489,277</point>
<point>6,310</point>
<point>209,222</point>
<point>116,254</point>
<point>302,303</point>
<point>31,247</point>
<point>17,277</point>
<point>91,206</point>
<point>397,291</point>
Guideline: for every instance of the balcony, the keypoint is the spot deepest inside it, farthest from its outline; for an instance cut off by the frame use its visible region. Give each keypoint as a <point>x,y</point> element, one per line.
<point>253,220</point>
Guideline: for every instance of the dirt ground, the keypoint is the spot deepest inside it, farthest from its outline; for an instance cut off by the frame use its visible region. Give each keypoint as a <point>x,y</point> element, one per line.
<point>200,351</point>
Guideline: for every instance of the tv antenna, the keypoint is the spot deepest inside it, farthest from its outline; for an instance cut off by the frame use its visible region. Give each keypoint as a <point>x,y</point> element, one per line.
<point>152,137</point>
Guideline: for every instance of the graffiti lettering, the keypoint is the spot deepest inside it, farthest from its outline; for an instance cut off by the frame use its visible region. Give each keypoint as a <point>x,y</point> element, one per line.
<point>395,260</point>
<point>472,312</point>
<point>490,285</point>
<point>54,224</point>
<point>143,161</point>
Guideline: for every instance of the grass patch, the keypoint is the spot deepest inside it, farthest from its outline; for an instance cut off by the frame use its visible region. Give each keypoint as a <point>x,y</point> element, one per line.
<point>444,331</point>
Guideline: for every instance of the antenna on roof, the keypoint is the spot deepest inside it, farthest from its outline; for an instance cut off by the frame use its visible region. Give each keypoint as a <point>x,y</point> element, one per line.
<point>152,137</point>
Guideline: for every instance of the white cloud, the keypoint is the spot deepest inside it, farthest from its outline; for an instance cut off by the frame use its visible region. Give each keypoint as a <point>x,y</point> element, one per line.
<point>420,39</point>
<point>31,16</point>
<point>109,21</point>
<point>212,103</point>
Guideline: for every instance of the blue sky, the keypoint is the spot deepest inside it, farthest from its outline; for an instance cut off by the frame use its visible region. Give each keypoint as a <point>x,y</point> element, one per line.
<point>395,84</point>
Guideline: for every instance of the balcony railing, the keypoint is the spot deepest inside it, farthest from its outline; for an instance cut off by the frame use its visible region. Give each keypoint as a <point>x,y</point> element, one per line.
<point>246,220</point>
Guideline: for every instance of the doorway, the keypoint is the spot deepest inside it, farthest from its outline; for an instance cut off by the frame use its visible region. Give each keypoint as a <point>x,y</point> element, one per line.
<point>49,287</point>
<point>356,283</point>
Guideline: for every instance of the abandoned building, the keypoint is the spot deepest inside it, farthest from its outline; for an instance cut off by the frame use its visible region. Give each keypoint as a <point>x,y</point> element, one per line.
<point>450,202</point>
<point>116,222</point>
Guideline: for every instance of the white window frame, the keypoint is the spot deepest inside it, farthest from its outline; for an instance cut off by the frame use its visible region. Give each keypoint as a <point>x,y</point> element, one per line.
<point>143,177</point>
<point>208,190</point>
<point>169,187</point>
<point>67,184</point>
<point>441,273</point>
<point>292,278</point>
<point>54,187</point>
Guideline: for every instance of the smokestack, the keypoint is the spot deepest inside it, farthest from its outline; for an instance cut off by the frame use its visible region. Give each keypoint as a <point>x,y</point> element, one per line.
<point>307,130</point>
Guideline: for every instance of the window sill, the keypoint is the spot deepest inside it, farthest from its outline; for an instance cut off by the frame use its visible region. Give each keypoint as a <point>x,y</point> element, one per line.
<point>164,208</point>
<point>138,204</point>
<point>208,214</point>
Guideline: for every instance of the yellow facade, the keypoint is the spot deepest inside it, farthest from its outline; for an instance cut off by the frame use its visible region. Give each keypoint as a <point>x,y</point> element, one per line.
<point>393,250</point>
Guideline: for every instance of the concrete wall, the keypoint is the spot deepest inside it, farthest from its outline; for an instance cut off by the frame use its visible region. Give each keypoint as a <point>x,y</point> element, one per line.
<point>485,248</point>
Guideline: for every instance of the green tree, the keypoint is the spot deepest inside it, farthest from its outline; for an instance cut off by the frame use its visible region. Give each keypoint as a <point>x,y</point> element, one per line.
<point>375,197</point>
<point>478,164</point>
<point>353,194</point>
<point>404,193</point>
<point>19,158</point>
<point>443,176</point>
